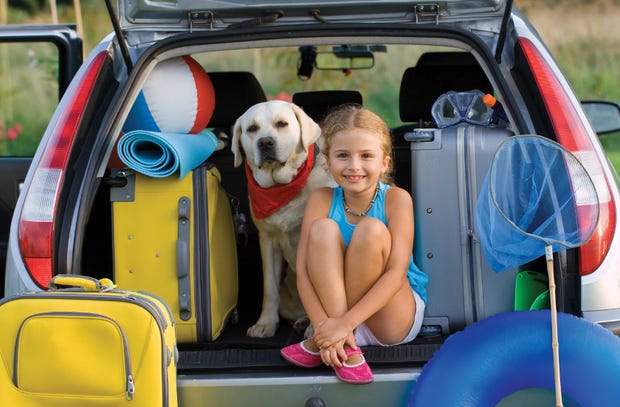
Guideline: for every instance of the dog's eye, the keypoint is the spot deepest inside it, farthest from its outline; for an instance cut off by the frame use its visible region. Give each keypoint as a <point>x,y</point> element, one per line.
<point>281,124</point>
<point>252,128</point>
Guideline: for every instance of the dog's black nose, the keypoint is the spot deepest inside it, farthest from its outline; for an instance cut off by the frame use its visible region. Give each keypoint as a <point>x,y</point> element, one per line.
<point>266,143</point>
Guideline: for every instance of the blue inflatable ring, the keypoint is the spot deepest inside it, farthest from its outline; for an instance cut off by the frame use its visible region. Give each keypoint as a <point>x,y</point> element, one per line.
<point>503,354</point>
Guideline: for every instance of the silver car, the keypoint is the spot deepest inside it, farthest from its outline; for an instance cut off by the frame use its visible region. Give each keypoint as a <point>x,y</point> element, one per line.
<point>395,57</point>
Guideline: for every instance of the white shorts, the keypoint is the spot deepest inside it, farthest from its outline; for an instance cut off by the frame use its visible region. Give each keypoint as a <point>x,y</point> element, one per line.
<point>364,336</point>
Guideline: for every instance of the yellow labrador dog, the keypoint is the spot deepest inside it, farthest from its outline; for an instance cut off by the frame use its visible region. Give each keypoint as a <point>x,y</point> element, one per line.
<point>283,165</point>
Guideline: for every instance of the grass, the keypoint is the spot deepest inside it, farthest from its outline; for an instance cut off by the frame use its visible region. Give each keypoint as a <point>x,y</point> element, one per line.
<point>611,144</point>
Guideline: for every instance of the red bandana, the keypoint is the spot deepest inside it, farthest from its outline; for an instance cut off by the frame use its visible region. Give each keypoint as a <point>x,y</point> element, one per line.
<point>266,201</point>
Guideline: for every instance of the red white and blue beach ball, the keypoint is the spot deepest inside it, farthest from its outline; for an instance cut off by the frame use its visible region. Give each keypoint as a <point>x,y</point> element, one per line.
<point>177,97</point>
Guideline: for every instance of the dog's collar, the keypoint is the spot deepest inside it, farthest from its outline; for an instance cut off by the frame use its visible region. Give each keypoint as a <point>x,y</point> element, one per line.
<point>266,201</point>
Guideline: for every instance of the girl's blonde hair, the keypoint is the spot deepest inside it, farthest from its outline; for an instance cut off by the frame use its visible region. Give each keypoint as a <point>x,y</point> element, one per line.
<point>353,116</point>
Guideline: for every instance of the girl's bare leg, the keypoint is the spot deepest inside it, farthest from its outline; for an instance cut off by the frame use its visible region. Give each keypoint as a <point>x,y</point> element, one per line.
<point>325,265</point>
<point>365,261</point>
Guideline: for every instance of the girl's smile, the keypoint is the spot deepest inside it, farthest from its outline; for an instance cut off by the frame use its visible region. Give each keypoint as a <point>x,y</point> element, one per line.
<point>357,161</point>
<point>354,178</point>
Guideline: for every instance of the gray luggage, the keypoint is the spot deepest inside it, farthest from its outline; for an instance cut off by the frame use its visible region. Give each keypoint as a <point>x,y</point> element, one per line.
<point>448,169</point>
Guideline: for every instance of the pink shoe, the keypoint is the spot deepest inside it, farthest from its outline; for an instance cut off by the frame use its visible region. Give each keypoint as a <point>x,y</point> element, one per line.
<point>299,355</point>
<point>359,373</point>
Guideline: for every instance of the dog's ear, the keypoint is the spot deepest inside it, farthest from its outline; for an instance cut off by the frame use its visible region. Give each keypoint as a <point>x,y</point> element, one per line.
<point>310,130</point>
<point>234,145</point>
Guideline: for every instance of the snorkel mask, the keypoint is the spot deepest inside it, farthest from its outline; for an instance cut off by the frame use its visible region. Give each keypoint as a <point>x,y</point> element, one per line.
<point>452,108</point>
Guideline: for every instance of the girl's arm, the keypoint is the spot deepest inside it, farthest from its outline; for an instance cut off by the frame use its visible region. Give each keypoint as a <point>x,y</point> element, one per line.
<point>399,214</point>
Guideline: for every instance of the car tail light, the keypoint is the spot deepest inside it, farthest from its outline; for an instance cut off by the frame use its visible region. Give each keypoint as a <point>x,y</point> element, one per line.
<point>573,135</point>
<point>38,216</point>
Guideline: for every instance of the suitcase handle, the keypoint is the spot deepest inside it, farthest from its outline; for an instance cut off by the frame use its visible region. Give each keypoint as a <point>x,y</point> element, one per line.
<point>84,282</point>
<point>183,254</point>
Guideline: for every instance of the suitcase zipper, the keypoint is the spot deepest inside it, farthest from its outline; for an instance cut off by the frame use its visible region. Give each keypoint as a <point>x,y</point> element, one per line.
<point>131,388</point>
<point>143,299</point>
<point>162,321</point>
<point>122,295</point>
<point>162,324</point>
<point>129,382</point>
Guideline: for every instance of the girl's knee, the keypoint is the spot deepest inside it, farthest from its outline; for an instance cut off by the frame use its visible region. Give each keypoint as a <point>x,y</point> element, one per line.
<point>370,230</point>
<point>323,231</point>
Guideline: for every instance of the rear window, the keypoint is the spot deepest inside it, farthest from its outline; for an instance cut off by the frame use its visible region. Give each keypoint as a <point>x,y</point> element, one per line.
<point>276,69</point>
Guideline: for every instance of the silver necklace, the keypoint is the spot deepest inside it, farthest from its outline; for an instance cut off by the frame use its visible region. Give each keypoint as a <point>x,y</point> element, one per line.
<point>365,211</point>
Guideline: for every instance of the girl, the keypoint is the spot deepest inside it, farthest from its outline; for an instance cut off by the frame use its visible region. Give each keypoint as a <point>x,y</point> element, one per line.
<point>355,271</point>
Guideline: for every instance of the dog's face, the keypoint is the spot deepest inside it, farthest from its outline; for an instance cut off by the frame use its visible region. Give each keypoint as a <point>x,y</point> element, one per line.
<point>275,137</point>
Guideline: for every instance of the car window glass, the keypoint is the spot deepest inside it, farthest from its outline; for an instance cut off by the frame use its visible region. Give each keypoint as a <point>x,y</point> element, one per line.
<point>380,86</point>
<point>28,95</point>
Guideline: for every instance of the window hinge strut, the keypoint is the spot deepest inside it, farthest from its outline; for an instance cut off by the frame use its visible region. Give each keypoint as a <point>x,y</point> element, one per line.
<point>200,19</point>
<point>427,12</point>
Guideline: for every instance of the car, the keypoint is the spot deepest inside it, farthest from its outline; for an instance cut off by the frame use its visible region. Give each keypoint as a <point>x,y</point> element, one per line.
<point>395,57</point>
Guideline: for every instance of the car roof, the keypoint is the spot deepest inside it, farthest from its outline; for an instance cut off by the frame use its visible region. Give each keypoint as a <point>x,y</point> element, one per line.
<point>183,15</point>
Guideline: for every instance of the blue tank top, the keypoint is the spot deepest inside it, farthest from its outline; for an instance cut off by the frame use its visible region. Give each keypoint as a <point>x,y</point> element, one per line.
<point>417,278</point>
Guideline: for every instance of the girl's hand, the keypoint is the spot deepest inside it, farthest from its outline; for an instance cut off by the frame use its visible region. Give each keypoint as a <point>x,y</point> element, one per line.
<point>350,340</point>
<point>334,354</point>
<point>330,331</point>
<point>331,335</point>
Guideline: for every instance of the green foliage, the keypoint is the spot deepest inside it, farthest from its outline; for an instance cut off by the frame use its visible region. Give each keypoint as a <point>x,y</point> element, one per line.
<point>591,68</point>
<point>29,94</point>
<point>29,6</point>
<point>611,144</point>
<point>33,7</point>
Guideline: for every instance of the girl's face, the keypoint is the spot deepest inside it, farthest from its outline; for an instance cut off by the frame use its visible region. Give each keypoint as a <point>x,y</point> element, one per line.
<point>356,159</point>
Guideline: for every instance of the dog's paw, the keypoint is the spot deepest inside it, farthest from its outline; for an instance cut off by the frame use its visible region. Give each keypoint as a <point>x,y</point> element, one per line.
<point>301,324</point>
<point>309,333</point>
<point>262,330</point>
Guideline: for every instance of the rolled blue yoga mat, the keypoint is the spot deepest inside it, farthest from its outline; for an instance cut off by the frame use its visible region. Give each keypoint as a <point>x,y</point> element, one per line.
<point>159,154</point>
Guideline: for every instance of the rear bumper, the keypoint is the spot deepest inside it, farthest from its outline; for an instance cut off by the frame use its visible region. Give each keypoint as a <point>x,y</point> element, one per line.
<point>299,387</point>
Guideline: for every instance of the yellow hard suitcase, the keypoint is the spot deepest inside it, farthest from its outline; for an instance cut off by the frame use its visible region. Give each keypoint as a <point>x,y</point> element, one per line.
<point>175,238</point>
<point>86,346</point>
